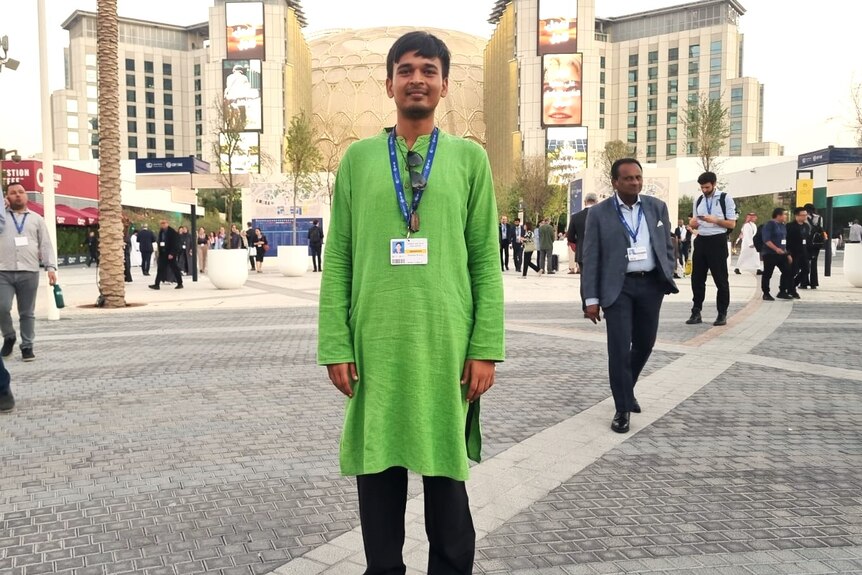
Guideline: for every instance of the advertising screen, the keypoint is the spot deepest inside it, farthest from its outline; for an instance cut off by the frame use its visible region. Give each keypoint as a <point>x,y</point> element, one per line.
<point>244,30</point>
<point>558,26</point>
<point>242,90</point>
<point>245,158</point>
<point>567,154</point>
<point>561,90</point>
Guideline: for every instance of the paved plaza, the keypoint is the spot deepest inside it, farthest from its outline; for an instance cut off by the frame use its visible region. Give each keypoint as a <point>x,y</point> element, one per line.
<point>195,434</point>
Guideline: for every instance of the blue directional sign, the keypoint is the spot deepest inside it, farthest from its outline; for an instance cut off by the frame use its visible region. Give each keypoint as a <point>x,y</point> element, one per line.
<point>830,155</point>
<point>184,165</point>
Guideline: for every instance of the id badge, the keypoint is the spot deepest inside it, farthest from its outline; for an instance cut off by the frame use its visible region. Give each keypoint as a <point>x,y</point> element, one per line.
<point>408,252</point>
<point>804,242</point>
<point>21,241</point>
<point>636,254</point>
<point>784,242</point>
<point>161,244</point>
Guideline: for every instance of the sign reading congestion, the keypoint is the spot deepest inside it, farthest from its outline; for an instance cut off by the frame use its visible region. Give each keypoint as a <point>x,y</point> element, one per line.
<point>244,30</point>
<point>558,27</point>
<point>242,81</point>
<point>561,90</point>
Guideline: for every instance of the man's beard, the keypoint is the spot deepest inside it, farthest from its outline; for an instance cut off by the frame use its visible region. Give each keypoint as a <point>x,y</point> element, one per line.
<point>418,112</point>
<point>18,204</point>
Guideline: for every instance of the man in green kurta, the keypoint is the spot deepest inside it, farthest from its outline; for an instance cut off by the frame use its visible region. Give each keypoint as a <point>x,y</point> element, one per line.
<point>411,313</point>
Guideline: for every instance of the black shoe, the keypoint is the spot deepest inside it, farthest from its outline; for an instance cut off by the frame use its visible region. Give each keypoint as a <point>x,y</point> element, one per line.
<point>767,297</point>
<point>737,272</point>
<point>812,287</point>
<point>7,401</point>
<point>784,295</point>
<point>676,277</point>
<point>721,319</point>
<point>695,318</point>
<point>795,295</point>
<point>636,407</point>
<point>154,286</point>
<point>551,273</point>
<point>620,424</point>
<point>179,286</point>
<point>8,346</point>
<point>759,272</point>
<point>27,354</point>
<point>803,287</point>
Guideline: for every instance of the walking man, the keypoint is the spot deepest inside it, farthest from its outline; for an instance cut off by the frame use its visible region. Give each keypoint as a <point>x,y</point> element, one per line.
<point>817,242</point>
<point>714,217</point>
<point>315,244</point>
<point>169,249</point>
<point>546,247</point>
<point>798,235</point>
<point>24,242</point>
<point>749,258</point>
<point>577,230</point>
<point>683,236</point>
<point>252,251</point>
<point>518,244</point>
<point>413,377</point>
<point>507,232</point>
<point>146,239</point>
<point>775,256</point>
<point>628,269</point>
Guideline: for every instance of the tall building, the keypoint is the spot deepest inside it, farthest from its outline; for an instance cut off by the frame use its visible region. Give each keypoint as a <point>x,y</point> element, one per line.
<point>250,57</point>
<point>633,77</point>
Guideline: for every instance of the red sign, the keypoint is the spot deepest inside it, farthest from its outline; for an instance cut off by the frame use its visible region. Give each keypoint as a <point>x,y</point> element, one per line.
<point>67,182</point>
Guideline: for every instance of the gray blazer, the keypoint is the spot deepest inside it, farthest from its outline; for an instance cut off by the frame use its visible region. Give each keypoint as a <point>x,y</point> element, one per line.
<point>606,241</point>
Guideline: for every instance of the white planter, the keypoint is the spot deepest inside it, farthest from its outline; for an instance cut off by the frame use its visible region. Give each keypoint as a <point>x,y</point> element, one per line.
<point>227,269</point>
<point>293,260</point>
<point>853,264</point>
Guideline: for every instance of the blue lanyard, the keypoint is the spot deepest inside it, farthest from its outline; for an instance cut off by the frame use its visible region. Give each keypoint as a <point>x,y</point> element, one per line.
<point>20,228</point>
<point>709,203</point>
<point>632,233</point>
<point>396,175</point>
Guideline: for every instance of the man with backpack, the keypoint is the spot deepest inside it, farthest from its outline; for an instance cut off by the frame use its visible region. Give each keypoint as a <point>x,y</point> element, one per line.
<point>816,243</point>
<point>315,243</point>
<point>714,218</point>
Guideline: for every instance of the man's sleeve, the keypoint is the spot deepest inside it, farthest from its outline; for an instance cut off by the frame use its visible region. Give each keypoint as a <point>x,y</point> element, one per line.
<point>487,340</point>
<point>46,248</point>
<point>572,233</point>
<point>766,233</point>
<point>591,257</point>
<point>665,218</point>
<point>335,338</point>
<point>731,208</point>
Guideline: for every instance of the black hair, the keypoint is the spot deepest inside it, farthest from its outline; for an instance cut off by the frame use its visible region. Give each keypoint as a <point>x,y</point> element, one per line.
<point>424,44</point>
<point>615,168</point>
<point>707,178</point>
<point>810,208</point>
<point>10,184</point>
<point>799,209</point>
<point>777,212</point>
<point>314,222</point>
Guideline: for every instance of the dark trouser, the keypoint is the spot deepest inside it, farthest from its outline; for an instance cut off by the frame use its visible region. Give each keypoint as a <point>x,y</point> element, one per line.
<point>710,255</point>
<point>127,263</point>
<point>183,261</point>
<point>684,248</point>
<point>146,258</point>
<point>799,270</point>
<point>545,260</point>
<point>164,264</point>
<point>5,379</point>
<point>251,256</point>
<point>23,286</point>
<point>448,523</point>
<point>812,280</point>
<point>504,254</point>
<point>770,262</point>
<point>92,257</point>
<point>528,263</point>
<point>632,325</point>
<point>315,257</point>
<point>518,254</point>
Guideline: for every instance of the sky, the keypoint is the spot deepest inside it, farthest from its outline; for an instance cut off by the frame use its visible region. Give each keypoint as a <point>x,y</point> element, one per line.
<point>805,58</point>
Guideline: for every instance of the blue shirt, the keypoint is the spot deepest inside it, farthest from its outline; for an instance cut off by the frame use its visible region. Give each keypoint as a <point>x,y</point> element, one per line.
<point>711,207</point>
<point>632,215</point>
<point>776,233</point>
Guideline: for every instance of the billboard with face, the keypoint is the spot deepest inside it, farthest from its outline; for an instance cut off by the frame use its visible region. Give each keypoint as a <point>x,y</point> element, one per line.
<point>558,27</point>
<point>244,22</point>
<point>561,90</point>
<point>242,83</point>
<point>244,158</point>
<point>567,154</point>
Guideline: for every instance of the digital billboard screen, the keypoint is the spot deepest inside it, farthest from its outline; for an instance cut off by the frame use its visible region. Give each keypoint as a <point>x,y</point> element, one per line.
<point>242,83</point>
<point>245,156</point>
<point>244,30</point>
<point>567,154</point>
<point>561,89</point>
<point>558,27</point>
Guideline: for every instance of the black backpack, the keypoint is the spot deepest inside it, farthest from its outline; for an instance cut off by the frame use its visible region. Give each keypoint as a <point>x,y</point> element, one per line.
<point>757,240</point>
<point>314,234</point>
<point>722,202</point>
<point>818,237</point>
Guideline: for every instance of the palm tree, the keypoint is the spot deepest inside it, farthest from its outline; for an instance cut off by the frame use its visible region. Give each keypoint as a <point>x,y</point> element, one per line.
<point>111,228</point>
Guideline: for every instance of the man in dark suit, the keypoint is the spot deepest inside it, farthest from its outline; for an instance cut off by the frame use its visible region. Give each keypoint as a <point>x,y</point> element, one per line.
<point>169,249</point>
<point>518,244</point>
<point>506,233</point>
<point>577,229</point>
<point>628,269</point>
<point>146,239</point>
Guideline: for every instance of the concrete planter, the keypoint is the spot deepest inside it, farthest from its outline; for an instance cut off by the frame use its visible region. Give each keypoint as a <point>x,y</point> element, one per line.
<point>293,260</point>
<point>227,269</point>
<point>853,264</point>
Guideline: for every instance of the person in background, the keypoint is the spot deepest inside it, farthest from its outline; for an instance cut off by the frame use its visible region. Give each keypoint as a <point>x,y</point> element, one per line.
<point>315,245</point>
<point>203,243</point>
<point>798,234</point>
<point>577,230</point>
<point>817,242</point>
<point>146,241</point>
<point>749,258</point>
<point>252,251</point>
<point>775,255</point>
<point>260,247</point>
<point>855,235</point>
<point>546,247</point>
<point>530,247</point>
<point>518,243</point>
<point>92,244</point>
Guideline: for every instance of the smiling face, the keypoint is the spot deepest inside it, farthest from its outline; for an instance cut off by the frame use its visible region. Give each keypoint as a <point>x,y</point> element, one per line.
<point>417,84</point>
<point>561,90</point>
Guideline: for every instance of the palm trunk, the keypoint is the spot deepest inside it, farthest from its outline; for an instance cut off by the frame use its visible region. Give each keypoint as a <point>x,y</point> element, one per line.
<point>111,268</point>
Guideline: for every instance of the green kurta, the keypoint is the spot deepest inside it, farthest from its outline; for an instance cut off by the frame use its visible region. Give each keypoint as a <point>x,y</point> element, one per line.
<point>409,329</point>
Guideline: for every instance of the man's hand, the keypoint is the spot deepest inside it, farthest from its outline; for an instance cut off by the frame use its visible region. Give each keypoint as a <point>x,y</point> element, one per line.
<point>342,375</point>
<point>52,278</point>
<point>789,258</point>
<point>710,218</point>
<point>593,313</point>
<point>170,256</point>
<point>479,375</point>
<point>693,223</point>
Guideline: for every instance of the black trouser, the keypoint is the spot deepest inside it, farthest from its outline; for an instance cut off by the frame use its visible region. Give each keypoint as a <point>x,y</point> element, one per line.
<point>812,280</point>
<point>164,264</point>
<point>710,255</point>
<point>770,262</point>
<point>448,523</point>
<point>251,260</point>
<point>92,257</point>
<point>504,254</point>
<point>632,325</point>
<point>146,258</point>
<point>315,257</point>
<point>684,247</point>
<point>799,270</point>
<point>127,263</point>
<point>528,263</point>
<point>518,254</point>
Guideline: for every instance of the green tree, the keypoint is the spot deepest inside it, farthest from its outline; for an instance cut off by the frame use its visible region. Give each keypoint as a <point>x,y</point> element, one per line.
<point>614,150</point>
<point>685,208</point>
<point>531,187</point>
<point>228,145</point>
<point>856,100</point>
<point>706,124</point>
<point>302,157</point>
<point>761,205</point>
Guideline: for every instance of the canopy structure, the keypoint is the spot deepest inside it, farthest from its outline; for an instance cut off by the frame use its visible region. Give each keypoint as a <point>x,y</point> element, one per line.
<point>65,215</point>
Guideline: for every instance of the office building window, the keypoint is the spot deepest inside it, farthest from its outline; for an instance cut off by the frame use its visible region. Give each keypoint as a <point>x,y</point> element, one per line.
<point>198,100</point>
<point>736,127</point>
<point>652,88</point>
<point>74,139</point>
<point>690,149</point>
<point>166,69</point>
<point>130,65</point>
<point>199,130</point>
<point>148,67</point>
<point>652,72</point>
<point>169,144</point>
<point>715,94</point>
<point>130,95</point>
<point>169,115</point>
<point>151,127</point>
<point>693,67</point>
<point>151,113</point>
<point>197,84</point>
<point>169,129</point>
<point>632,137</point>
<point>633,91</point>
<point>651,135</point>
<point>150,97</point>
<point>94,153</point>
<point>602,108</point>
<point>693,82</point>
<point>197,69</point>
<point>602,93</point>
<point>650,151</point>
<point>715,63</point>
<point>601,123</point>
<point>72,106</point>
<point>133,141</point>
<point>652,119</point>
<point>652,58</point>
<point>693,97</point>
<point>199,115</point>
<point>633,60</point>
<point>673,70</point>
<point>132,126</point>
<point>133,155</point>
<point>169,99</point>
<point>130,79</point>
<point>602,62</point>
<point>149,83</point>
<point>92,107</point>
<point>633,107</point>
<point>673,86</point>
<point>151,143</point>
<point>671,134</point>
<point>167,84</point>
<point>715,81</point>
<point>131,111</point>
<point>652,104</point>
<point>633,121</point>
<point>673,102</point>
<point>92,93</point>
<point>151,154</point>
<point>169,155</point>
<point>601,77</point>
<point>90,60</point>
<point>72,121</point>
<point>694,51</point>
<point>671,118</point>
<point>673,54</point>
<point>736,94</point>
<point>715,47</point>
<point>671,149</point>
<point>198,146</point>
